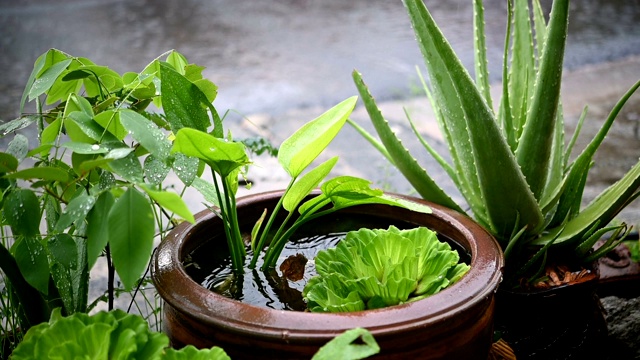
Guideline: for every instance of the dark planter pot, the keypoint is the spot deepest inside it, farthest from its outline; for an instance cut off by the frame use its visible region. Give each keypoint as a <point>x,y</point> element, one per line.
<point>457,323</point>
<point>563,322</point>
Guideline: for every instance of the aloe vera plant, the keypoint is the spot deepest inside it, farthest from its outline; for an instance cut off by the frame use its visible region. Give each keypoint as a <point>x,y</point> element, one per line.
<point>372,269</point>
<point>511,164</point>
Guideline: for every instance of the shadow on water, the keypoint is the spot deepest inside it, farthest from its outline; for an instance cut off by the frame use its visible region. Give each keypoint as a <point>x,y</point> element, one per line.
<point>273,56</point>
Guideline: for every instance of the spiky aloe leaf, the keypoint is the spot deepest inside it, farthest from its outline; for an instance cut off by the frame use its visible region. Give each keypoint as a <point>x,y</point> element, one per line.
<point>534,147</point>
<point>491,156</point>
<point>480,52</point>
<point>404,161</point>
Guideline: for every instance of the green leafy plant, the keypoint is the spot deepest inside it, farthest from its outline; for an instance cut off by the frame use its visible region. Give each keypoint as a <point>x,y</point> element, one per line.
<point>372,269</point>
<point>226,158</point>
<point>104,335</point>
<point>511,165</point>
<point>92,184</point>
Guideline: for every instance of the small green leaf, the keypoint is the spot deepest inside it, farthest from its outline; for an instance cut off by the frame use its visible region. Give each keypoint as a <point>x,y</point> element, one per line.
<point>185,167</point>
<point>155,170</point>
<point>353,344</point>
<point>110,120</point>
<point>76,211</point>
<point>131,230</point>
<point>146,133</point>
<point>85,148</point>
<point>301,148</point>
<point>18,147</point>
<point>44,82</point>
<point>183,102</point>
<point>64,252</point>
<point>8,162</point>
<point>222,156</point>
<point>31,257</point>
<point>170,201</point>
<point>22,212</point>
<point>128,168</point>
<point>98,226</point>
<point>303,186</point>
<point>44,172</point>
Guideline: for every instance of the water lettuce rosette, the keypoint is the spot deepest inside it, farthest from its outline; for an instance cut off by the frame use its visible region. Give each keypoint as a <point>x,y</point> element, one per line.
<point>372,269</point>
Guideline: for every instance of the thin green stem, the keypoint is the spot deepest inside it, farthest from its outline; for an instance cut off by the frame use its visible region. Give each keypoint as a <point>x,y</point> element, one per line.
<point>265,231</point>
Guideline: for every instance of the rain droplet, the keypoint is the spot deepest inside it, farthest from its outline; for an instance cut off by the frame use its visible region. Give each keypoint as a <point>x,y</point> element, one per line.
<point>95,147</point>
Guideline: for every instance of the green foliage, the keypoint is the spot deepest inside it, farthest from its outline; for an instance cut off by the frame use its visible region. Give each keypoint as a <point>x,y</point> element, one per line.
<point>371,269</point>
<point>93,182</point>
<point>353,344</point>
<point>519,147</point>
<point>105,335</point>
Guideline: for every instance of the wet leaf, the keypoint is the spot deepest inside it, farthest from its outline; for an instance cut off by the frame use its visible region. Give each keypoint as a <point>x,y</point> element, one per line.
<point>185,167</point>
<point>31,257</point>
<point>131,230</point>
<point>98,227</point>
<point>146,133</point>
<point>76,211</point>
<point>155,170</point>
<point>18,147</point>
<point>22,212</point>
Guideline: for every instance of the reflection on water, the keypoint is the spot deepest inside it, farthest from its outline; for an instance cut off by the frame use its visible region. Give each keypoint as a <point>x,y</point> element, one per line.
<point>269,56</point>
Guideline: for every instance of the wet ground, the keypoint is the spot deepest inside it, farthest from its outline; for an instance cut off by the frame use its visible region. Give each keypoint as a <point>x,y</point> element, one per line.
<point>272,56</point>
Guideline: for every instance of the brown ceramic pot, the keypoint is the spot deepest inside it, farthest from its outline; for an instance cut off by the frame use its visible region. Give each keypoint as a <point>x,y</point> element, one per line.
<point>456,323</point>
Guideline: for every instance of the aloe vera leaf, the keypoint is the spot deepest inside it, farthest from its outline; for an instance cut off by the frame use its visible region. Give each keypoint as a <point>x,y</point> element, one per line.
<point>443,163</point>
<point>540,26</point>
<point>556,165</point>
<point>480,52</point>
<point>576,177</point>
<point>371,139</point>
<point>472,195</point>
<point>575,135</point>
<point>534,146</point>
<point>494,162</point>
<point>522,69</point>
<point>505,116</point>
<point>604,208</point>
<point>415,174</point>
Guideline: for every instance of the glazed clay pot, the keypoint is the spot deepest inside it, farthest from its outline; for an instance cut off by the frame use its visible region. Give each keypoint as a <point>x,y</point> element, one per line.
<point>456,323</point>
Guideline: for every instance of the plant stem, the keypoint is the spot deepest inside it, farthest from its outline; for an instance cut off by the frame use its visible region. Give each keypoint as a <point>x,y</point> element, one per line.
<point>265,231</point>
<point>110,278</point>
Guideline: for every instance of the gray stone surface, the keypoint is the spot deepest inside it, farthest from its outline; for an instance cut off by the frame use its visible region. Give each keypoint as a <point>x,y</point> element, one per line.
<point>623,319</point>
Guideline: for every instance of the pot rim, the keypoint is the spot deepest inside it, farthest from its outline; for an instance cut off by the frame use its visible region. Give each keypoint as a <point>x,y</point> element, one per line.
<point>180,291</point>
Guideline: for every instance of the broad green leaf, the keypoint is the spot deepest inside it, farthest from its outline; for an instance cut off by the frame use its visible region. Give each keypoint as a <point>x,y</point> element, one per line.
<point>300,149</point>
<point>51,132</point>
<point>44,81</point>
<point>131,230</point>
<point>76,211</point>
<point>534,148</point>
<point>146,133</point>
<point>8,162</point>
<point>108,79</point>
<point>31,257</point>
<point>22,212</point>
<point>207,190</point>
<point>190,352</point>
<point>208,88</point>
<point>178,61</point>
<point>88,127</point>
<point>64,262</point>
<point>182,101</point>
<point>353,344</point>
<point>222,156</point>
<point>170,201</point>
<point>17,124</point>
<point>110,120</point>
<point>38,66</point>
<point>98,226</point>
<point>85,148</point>
<point>403,160</point>
<point>185,167</point>
<point>47,173</point>
<point>18,147</point>
<point>155,170</point>
<point>128,168</point>
<point>304,185</point>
